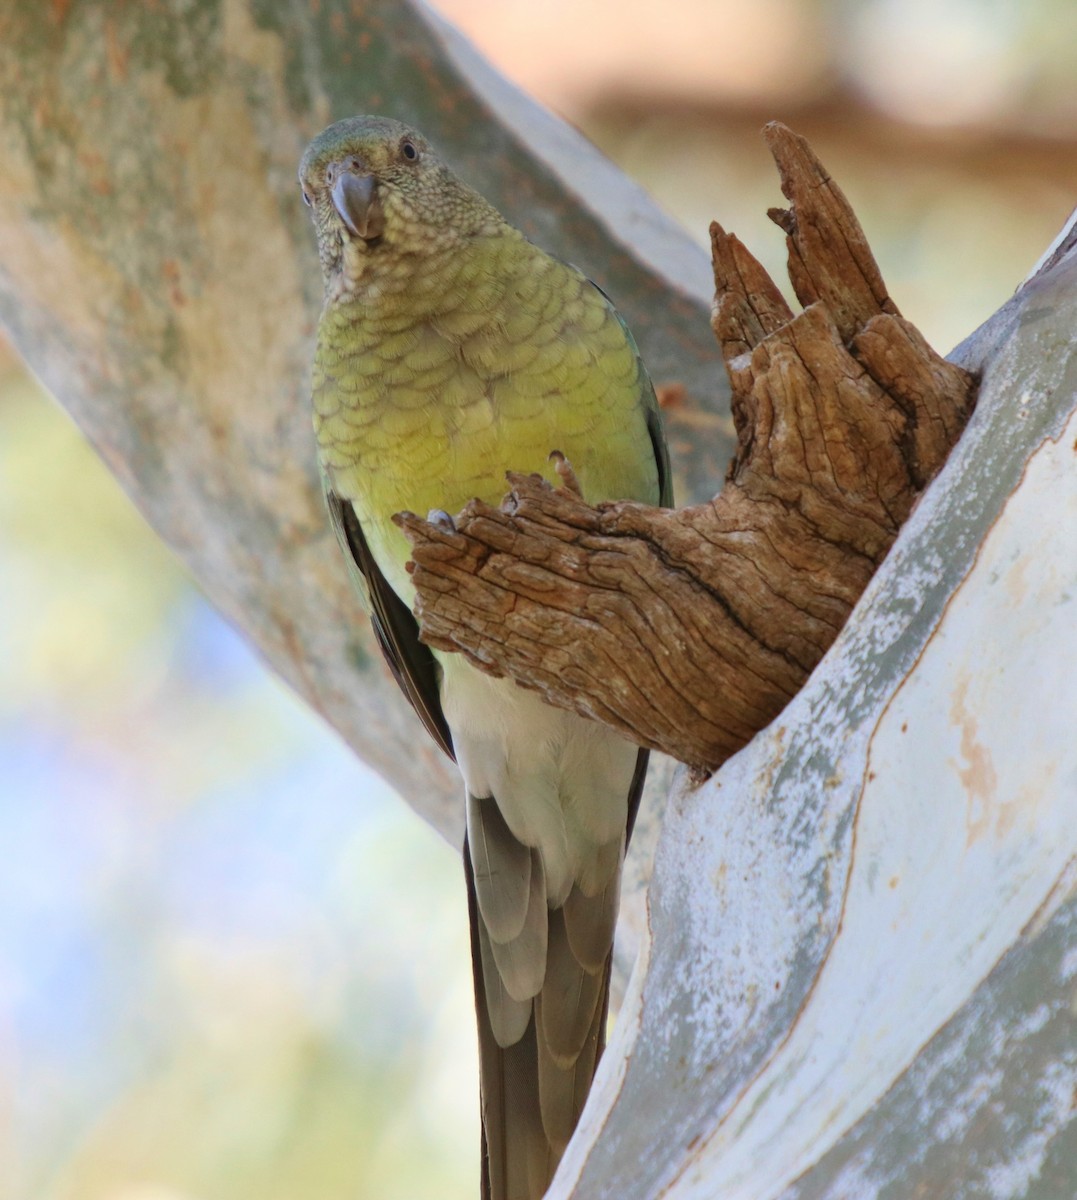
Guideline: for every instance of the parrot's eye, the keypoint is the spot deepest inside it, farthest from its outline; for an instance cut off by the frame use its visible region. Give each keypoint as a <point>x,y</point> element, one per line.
<point>408,150</point>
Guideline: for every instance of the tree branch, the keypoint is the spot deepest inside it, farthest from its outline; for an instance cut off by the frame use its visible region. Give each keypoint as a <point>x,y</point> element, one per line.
<point>857,970</point>
<point>160,276</point>
<point>690,630</point>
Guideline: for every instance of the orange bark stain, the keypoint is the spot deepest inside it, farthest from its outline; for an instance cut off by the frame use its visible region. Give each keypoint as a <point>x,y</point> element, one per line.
<point>96,169</point>
<point>132,300</point>
<point>337,24</point>
<point>978,775</point>
<point>115,52</point>
<point>60,10</point>
<point>1017,581</point>
<point>428,70</point>
<point>294,648</point>
<point>670,395</point>
<point>171,271</point>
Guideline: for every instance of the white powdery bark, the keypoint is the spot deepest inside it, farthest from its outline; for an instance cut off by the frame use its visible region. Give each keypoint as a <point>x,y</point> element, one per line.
<point>862,958</point>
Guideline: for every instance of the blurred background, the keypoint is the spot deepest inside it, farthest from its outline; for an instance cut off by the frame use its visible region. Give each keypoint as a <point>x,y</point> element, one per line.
<point>204,991</point>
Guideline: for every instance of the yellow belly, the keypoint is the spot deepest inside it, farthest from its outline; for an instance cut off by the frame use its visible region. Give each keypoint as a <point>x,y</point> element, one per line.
<point>431,413</point>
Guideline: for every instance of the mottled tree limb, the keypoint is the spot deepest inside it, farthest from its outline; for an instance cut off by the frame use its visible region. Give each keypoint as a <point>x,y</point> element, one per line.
<point>159,274</point>
<point>689,630</point>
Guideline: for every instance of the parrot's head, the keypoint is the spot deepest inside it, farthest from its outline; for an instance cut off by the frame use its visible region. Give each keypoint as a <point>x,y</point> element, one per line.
<point>377,190</point>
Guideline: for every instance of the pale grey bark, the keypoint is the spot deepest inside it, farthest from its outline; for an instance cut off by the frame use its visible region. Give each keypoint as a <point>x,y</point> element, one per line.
<point>861,966</point>
<point>159,274</point>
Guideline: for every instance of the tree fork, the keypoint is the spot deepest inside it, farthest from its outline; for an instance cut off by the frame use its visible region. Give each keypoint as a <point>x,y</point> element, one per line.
<point>690,629</point>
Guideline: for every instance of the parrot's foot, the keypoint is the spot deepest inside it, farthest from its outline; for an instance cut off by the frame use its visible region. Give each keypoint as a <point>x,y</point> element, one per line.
<point>568,476</point>
<point>440,518</point>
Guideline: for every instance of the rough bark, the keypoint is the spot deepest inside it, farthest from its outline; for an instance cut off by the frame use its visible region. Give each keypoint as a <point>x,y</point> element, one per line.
<point>858,969</point>
<point>689,630</point>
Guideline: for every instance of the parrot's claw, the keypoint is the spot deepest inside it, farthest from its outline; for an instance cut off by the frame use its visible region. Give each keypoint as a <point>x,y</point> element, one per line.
<point>440,518</point>
<point>568,476</point>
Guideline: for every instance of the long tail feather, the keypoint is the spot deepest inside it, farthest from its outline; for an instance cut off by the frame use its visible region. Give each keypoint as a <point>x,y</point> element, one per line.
<point>534,1083</point>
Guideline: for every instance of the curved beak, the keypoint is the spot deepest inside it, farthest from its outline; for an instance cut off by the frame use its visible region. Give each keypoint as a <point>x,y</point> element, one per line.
<point>355,197</point>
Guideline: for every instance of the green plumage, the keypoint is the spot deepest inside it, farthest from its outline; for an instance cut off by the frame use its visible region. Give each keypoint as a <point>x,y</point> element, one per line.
<point>451,350</point>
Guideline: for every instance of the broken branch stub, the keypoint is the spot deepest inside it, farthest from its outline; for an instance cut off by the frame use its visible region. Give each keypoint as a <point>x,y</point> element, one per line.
<point>689,630</point>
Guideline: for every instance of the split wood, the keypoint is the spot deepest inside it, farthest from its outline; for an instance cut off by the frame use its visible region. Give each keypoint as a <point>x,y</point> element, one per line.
<point>690,629</point>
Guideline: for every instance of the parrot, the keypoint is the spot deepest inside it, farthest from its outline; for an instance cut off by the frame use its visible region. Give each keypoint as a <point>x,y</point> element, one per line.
<point>451,350</point>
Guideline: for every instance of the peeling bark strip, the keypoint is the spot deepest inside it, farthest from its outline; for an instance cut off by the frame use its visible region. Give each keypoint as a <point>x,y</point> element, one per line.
<point>690,630</point>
